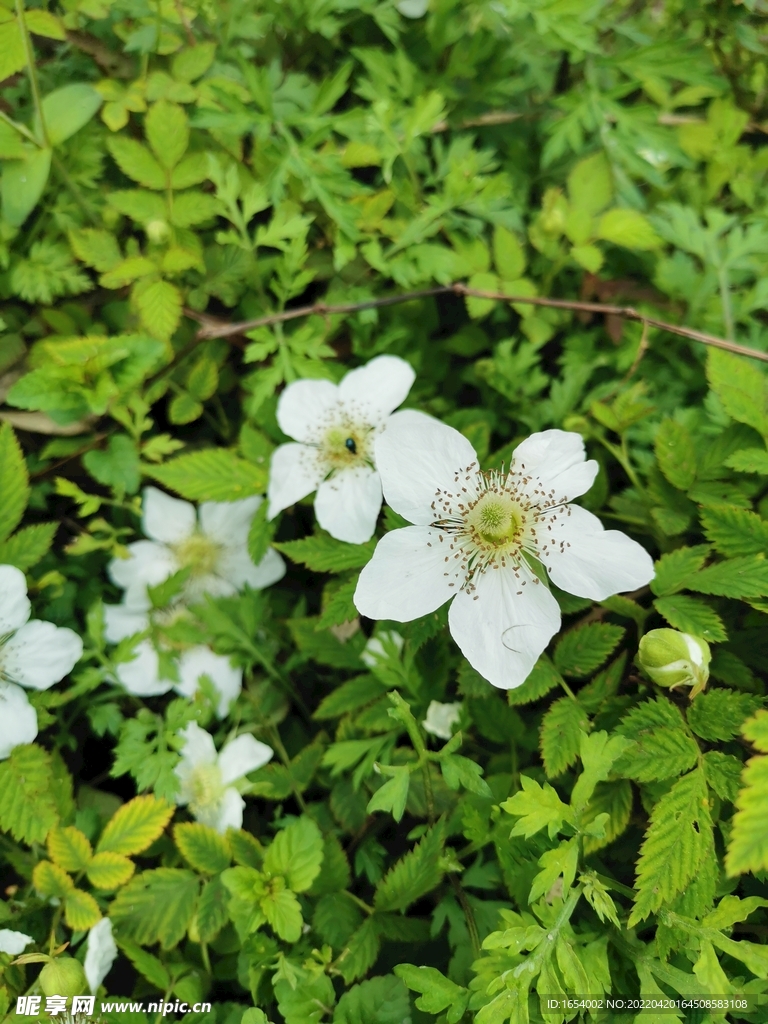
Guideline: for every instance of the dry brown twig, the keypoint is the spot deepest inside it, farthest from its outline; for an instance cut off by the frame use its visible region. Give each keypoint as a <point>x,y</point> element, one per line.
<point>211,328</point>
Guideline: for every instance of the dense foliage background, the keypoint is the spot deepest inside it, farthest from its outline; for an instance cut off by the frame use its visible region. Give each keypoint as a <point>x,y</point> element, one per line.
<point>169,161</point>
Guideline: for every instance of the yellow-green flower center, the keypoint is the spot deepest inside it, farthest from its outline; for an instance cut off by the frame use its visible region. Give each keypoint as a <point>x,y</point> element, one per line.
<point>198,553</point>
<point>495,519</point>
<point>345,445</point>
<point>207,788</point>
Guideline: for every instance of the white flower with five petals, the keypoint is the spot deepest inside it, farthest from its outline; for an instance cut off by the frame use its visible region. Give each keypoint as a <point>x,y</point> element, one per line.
<point>479,537</point>
<point>33,653</point>
<point>209,780</point>
<point>212,543</point>
<point>335,427</point>
<point>143,677</point>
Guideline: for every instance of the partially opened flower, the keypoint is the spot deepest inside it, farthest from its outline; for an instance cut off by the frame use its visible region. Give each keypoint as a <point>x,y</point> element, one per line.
<point>143,675</point>
<point>209,781</point>
<point>479,537</point>
<point>100,954</point>
<point>212,543</point>
<point>335,427</point>
<point>12,942</point>
<point>33,653</point>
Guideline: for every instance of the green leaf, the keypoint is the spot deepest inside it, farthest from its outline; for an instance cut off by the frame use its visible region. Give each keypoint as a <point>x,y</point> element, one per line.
<point>508,254</point>
<point>598,755</point>
<point>304,1002</point>
<point>723,772</point>
<point>118,466</point>
<point>96,248</point>
<point>735,531</point>
<point>212,474</point>
<point>14,482</point>
<point>743,577</point>
<point>678,835</point>
<point>749,460</point>
<point>360,952</point>
<point>68,109</point>
<point>190,63</point>
<point>691,615</point>
<point>27,806</point>
<point>461,771</point>
<point>676,454</point>
<point>613,799</point>
<point>137,162</point>
<point>741,387</point>
<point>43,23</point>
<point>321,553</point>
<point>159,306</point>
<point>720,714</point>
<point>748,847</point>
<point>581,651</point>
<point>147,965</point>
<point>283,913</point>
<point>109,870</point>
<point>23,183</point>
<point>628,228</point>
<point>212,909</point>
<point>537,807</point>
<point>590,184</point>
<point>543,678</point>
<point>81,911</point>
<point>339,607</point>
<point>143,207</point>
<point>438,993</point>
<point>382,1000</point>
<point>297,853</point>
<point>661,749</point>
<point>135,826</point>
<point>167,129</point>
<point>202,847</point>
<point>392,796</point>
<point>561,732</point>
<point>156,906</point>
<point>13,53</point>
<point>69,848</point>
<point>414,875</point>
<point>674,569</point>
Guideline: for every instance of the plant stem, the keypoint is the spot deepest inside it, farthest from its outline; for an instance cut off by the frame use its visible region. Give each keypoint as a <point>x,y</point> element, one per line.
<point>32,72</point>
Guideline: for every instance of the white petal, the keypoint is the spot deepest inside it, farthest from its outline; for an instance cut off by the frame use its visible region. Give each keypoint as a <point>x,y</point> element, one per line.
<point>503,626</point>
<point>12,942</point>
<point>556,460</point>
<point>120,622</point>
<point>295,471</point>
<point>199,661</point>
<point>406,578</point>
<point>594,562</point>
<point>236,565</point>
<point>14,604</point>
<point>440,718</point>
<point>166,519</point>
<point>100,954</point>
<point>347,505</point>
<point>416,455</point>
<point>242,755</point>
<point>18,719</point>
<point>199,747</point>
<point>147,564</point>
<point>141,677</point>
<point>305,408</point>
<point>196,588</point>
<point>228,522</point>
<point>371,392</point>
<point>40,654</point>
<point>230,811</point>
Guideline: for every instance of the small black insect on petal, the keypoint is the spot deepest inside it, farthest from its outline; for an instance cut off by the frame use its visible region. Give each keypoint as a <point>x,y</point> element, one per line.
<point>350,445</point>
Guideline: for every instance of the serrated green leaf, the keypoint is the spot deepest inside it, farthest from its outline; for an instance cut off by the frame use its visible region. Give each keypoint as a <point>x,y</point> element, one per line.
<point>360,952</point>
<point>581,651</point>
<point>14,482</point>
<point>735,531</point>
<point>676,454</point>
<point>321,553</point>
<point>414,875</point>
<point>23,182</point>
<point>95,248</point>
<point>159,306</point>
<point>27,807</point>
<point>212,474</point>
<point>393,795</point>
<point>382,1000</point>
<point>537,807</point>
<point>68,109</point>
<point>628,228</point>
<point>212,909</point>
<point>135,826</point>
<point>677,837</point>
<point>742,577</point>
<point>720,714</point>
<point>69,848</point>
<point>691,615</point>
<point>81,911</point>
<point>137,162</point>
<point>202,847</point>
<point>741,387</point>
<point>156,906</point>
<point>147,965</point>
<point>749,460</point>
<point>543,678</point>
<point>109,870</point>
<point>297,853</point>
<point>283,913</point>
<point>674,569</point>
<point>661,748</point>
<point>167,129</point>
<point>723,772</point>
<point>561,731</point>
<point>438,993</point>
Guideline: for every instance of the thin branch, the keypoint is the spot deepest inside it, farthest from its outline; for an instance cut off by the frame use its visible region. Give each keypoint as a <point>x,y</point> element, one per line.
<point>212,328</point>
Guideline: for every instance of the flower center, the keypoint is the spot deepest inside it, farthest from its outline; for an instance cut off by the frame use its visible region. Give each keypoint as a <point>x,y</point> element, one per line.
<point>207,787</point>
<point>495,519</point>
<point>345,445</point>
<point>198,553</point>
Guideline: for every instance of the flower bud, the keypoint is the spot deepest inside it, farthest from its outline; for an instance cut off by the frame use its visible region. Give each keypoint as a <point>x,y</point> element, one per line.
<point>63,976</point>
<point>157,231</point>
<point>670,658</point>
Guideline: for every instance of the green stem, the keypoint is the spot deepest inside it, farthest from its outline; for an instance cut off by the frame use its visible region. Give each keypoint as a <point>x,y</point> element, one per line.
<point>469,914</point>
<point>360,903</point>
<point>32,71</point>
<point>569,691</point>
<point>725,299</point>
<point>20,128</point>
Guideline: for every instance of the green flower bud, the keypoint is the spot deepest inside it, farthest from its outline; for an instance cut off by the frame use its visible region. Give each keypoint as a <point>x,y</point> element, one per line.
<point>157,231</point>
<point>63,976</point>
<point>670,658</point>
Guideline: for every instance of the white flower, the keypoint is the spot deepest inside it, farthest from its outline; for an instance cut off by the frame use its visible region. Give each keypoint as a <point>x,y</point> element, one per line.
<point>478,537</point>
<point>212,543</point>
<point>18,719</point>
<point>101,953</point>
<point>33,653</point>
<point>12,942</point>
<point>440,718</point>
<point>207,778</point>
<point>142,676</point>
<point>335,427</point>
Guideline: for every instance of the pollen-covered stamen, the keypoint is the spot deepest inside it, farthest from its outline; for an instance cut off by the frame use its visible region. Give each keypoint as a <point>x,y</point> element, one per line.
<point>206,786</point>
<point>492,520</point>
<point>198,553</point>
